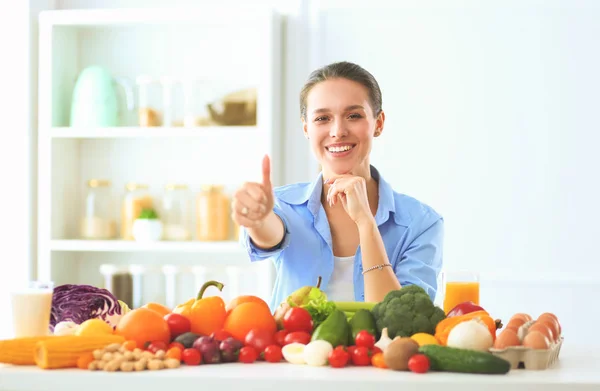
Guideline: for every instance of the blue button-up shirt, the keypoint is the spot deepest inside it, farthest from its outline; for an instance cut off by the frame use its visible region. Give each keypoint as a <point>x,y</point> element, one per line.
<point>412,233</point>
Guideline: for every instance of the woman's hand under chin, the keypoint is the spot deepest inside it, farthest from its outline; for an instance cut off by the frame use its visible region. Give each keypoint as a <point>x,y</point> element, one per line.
<point>351,192</point>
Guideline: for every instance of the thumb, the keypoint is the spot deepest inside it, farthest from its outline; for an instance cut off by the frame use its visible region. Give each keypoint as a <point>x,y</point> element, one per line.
<point>266,172</point>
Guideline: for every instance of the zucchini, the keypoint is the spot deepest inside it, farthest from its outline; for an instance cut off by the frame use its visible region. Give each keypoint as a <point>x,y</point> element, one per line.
<point>449,359</point>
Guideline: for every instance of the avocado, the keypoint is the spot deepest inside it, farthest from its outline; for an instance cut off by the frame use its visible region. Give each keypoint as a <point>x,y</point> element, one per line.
<point>334,329</point>
<point>187,339</point>
<point>363,320</point>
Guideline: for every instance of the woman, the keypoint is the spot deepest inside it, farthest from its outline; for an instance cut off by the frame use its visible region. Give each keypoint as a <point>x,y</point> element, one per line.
<point>347,226</point>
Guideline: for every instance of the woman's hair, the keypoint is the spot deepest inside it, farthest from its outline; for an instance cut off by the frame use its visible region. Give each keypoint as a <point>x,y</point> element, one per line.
<point>343,70</point>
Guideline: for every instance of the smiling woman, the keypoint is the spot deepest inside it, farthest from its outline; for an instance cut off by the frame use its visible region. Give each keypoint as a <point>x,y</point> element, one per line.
<point>348,226</point>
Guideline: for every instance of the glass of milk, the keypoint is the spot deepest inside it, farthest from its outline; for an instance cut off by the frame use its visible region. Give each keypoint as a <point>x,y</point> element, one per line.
<point>31,307</point>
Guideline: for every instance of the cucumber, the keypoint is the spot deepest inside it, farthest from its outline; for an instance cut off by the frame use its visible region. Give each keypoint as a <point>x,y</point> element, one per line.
<point>448,359</point>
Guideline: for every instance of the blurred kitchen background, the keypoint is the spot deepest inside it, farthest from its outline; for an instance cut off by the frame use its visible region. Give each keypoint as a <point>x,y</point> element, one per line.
<point>115,107</point>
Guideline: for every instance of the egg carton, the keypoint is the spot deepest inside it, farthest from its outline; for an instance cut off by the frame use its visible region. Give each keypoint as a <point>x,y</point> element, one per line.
<point>528,358</point>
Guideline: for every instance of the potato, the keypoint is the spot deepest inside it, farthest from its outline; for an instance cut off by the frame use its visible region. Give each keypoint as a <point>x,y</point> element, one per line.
<point>398,352</point>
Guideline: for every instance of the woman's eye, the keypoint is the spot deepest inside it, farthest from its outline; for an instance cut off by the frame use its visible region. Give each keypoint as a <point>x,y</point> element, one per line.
<point>320,119</point>
<point>355,116</point>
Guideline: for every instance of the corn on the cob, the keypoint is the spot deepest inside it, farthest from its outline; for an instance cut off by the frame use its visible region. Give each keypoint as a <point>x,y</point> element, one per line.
<point>19,351</point>
<point>63,352</point>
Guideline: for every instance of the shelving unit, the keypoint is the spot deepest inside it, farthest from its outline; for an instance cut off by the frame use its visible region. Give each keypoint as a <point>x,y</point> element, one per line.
<point>226,50</point>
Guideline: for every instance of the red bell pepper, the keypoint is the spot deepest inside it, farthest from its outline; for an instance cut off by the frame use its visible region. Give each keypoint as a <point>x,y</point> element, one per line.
<point>464,308</point>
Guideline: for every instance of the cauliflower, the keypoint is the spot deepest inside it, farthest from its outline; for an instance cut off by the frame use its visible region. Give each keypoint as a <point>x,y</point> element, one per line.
<point>407,311</point>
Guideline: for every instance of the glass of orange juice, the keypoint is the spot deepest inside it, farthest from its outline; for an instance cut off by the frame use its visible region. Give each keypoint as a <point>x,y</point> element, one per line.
<point>460,286</point>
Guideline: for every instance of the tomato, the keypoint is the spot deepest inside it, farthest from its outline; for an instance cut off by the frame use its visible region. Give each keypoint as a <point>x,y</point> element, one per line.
<point>175,353</point>
<point>220,335</point>
<point>297,336</point>
<point>298,319</point>
<point>273,353</point>
<point>191,356</point>
<point>178,324</point>
<point>366,339</point>
<point>350,349</point>
<point>374,350</point>
<point>155,346</point>
<point>338,358</point>
<point>378,361</point>
<point>176,345</point>
<point>280,337</point>
<point>259,339</point>
<point>360,356</point>
<point>248,355</point>
<point>418,363</point>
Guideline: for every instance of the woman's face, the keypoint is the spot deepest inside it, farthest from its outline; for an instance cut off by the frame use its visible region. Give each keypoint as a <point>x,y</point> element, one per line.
<point>340,126</point>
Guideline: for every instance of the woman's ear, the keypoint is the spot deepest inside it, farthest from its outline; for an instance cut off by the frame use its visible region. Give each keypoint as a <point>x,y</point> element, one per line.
<point>305,128</point>
<point>379,123</point>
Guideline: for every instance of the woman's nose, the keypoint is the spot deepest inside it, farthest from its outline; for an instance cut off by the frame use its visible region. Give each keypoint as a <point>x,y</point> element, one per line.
<point>337,130</point>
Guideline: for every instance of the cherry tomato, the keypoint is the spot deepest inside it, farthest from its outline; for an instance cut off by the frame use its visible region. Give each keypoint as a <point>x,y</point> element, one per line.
<point>259,339</point>
<point>360,356</point>
<point>338,358</point>
<point>220,335</point>
<point>248,355</point>
<point>350,349</point>
<point>155,346</point>
<point>378,361</point>
<point>273,353</point>
<point>418,363</point>
<point>175,353</point>
<point>366,339</point>
<point>178,324</point>
<point>176,345</point>
<point>297,336</point>
<point>191,356</point>
<point>298,319</point>
<point>280,337</point>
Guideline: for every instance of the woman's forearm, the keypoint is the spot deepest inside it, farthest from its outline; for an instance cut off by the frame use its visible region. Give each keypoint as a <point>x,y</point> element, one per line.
<point>377,282</point>
<point>269,234</point>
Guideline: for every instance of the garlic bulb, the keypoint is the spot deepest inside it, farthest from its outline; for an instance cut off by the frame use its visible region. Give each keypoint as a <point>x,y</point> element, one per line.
<point>470,334</point>
<point>384,340</point>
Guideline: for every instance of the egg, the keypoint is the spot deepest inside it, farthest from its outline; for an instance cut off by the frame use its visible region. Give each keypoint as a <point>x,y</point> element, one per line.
<point>536,340</point>
<point>525,317</point>
<point>552,325</point>
<point>542,328</point>
<point>551,317</point>
<point>507,338</point>
<point>515,323</point>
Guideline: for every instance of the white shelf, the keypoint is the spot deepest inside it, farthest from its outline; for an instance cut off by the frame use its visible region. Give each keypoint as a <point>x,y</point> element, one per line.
<point>206,15</point>
<point>153,132</point>
<point>225,247</point>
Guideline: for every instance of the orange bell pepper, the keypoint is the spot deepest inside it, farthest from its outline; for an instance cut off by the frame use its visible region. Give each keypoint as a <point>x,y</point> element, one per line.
<point>206,315</point>
<point>443,328</point>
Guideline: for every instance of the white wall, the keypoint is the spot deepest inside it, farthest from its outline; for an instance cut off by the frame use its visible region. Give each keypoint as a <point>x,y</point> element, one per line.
<point>490,120</point>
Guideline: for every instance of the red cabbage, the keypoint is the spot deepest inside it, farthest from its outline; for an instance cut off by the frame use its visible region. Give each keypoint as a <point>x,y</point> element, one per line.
<point>78,303</point>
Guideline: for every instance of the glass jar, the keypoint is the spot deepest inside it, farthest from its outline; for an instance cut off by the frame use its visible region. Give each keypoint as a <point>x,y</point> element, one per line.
<point>148,115</point>
<point>176,212</point>
<point>136,199</point>
<point>98,221</point>
<point>212,209</point>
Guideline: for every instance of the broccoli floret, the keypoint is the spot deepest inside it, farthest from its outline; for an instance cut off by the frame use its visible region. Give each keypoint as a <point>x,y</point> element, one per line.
<point>407,311</point>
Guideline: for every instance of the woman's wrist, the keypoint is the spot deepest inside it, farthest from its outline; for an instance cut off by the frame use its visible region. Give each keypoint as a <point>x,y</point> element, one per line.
<point>366,225</point>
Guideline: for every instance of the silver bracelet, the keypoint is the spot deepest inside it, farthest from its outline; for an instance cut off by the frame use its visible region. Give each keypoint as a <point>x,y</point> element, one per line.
<point>380,267</point>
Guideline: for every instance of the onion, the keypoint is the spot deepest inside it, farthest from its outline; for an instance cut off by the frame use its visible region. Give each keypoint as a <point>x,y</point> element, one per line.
<point>471,334</point>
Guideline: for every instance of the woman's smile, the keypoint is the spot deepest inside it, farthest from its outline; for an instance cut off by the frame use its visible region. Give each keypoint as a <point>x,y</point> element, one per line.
<point>339,150</point>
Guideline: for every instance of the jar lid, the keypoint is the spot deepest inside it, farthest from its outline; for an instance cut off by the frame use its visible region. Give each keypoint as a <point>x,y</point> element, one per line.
<point>131,186</point>
<point>209,188</point>
<point>176,186</point>
<point>98,183</point>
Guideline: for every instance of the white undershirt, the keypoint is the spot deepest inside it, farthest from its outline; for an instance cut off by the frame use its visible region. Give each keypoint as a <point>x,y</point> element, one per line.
<point>341,284</point>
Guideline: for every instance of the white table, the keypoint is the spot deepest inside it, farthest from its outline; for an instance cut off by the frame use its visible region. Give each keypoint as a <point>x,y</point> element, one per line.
<point>577,370</point>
